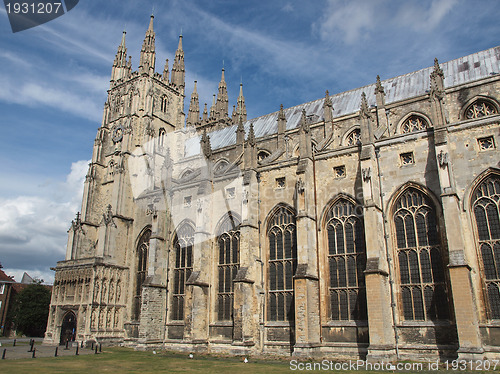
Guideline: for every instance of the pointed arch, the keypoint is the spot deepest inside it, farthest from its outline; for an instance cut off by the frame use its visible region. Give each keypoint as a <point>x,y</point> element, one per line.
<point>281,235</point>
<point>344,238</point>
<point>183,243</point>
<point>419,255</point>
<point>228,246</point>
<point>485,214</point>
<point>352,136</point>
<point>142,249</point>
<point>413,121</point>
<point>479,106</point>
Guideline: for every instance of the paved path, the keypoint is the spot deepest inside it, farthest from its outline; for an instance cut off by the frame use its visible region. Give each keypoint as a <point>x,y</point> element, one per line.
<point>20,350</point>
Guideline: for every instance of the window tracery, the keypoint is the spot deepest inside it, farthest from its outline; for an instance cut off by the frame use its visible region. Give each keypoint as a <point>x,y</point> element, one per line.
<point>420,257</point>
<point>486,208</point>
<point>183,267</point>
<point>347,262</point>
<point>480,108</point>
<point>282,264</point>
<point>353,138</point>
<point>413,123</point>
<point>142,267</point>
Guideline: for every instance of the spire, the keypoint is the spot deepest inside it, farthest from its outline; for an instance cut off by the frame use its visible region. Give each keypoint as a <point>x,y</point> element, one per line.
<point>221,109</point>
<point>205,144</point>
<point>281,128</point>
<point>378,86</point>
<point>148,54</point>
<point>166,72</point>
<point>241,109</point>
<point>251,136</point>
<point>194,107</point>
<point>366,135</point>
<point>212,108</point>
<point>178,69</point>
<point>364,109</point>
<point>305,148</point>
<point>240,132</point>
<point>437,81</point>
<point>120,64</point>
<point>205,113</point>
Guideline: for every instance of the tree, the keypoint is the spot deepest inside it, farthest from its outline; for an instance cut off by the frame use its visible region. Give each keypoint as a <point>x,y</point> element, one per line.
<point>30,309</point>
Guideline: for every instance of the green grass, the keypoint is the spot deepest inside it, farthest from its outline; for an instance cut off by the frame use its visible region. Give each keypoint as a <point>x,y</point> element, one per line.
<point>124,360</point>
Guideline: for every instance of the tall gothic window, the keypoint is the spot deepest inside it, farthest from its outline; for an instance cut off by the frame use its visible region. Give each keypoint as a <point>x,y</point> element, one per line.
<point>420,257</point>
<point>347,261</point>
<point>353,138</point>
<point>183,266</point>
<point>486,207</point>
<point>142,269</point>
<point>480,108</point>
<point>228,243</point>
<point>413,123</point>
<point>282,264</point>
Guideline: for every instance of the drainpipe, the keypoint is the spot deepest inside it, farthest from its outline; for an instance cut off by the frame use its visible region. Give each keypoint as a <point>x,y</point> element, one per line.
<point>389,260</point>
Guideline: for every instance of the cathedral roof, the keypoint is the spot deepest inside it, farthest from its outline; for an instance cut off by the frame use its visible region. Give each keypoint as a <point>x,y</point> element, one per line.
<point>456,72</point>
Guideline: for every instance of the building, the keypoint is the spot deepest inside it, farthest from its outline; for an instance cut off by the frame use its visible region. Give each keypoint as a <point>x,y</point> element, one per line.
<point>362,224</point>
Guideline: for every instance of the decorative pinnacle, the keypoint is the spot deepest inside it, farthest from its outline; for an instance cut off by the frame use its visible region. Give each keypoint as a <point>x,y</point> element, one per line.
<point>251,136</point>
<point>378,86</point>
<point>437,69</point>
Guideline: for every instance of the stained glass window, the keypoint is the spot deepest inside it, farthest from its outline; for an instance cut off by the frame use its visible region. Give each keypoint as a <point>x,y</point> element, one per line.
<point>183,266</point>
<point>142,268</point>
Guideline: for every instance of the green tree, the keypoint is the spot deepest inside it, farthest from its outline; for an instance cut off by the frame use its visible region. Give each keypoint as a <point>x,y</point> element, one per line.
<point>30,309</point>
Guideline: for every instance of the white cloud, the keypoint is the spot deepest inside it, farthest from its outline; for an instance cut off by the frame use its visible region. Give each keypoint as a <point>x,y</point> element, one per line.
<point>33,229</point>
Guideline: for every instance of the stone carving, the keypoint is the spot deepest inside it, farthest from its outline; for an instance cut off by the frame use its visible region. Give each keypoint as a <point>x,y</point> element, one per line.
<point>442,159</point>
<point>367,173</point>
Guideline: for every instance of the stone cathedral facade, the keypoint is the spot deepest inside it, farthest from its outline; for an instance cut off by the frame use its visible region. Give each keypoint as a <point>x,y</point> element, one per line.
<point>362,224</point>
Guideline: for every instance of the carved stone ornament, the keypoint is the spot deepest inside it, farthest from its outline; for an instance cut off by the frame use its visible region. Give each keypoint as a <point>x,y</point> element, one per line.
<point>245,197</point>
<point>151,210</point>
<point>108,217</point>
<point>367,173</point>
<point>199,205</point>
<point>442,158</point>
<point>117,134</point>
<point>301,187</point>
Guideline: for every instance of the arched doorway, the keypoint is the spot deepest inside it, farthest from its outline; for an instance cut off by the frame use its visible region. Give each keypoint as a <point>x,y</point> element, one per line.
<point>68,328</point>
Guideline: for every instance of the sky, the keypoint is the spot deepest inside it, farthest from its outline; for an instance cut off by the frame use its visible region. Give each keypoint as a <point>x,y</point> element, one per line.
<point>54,80</point>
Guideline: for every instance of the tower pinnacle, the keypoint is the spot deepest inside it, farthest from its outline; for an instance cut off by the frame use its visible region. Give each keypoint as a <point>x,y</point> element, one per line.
<point>148,54</point>
<point>178,70</point>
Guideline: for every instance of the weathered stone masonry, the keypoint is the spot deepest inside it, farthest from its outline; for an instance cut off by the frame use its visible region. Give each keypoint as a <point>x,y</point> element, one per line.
<point>362,224</point>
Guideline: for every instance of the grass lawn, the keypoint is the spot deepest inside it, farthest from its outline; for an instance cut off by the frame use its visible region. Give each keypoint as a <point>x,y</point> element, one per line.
<point>124,360</point>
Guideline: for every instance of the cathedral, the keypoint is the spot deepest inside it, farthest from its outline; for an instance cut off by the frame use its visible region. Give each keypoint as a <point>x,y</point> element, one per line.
<point>364,224</point>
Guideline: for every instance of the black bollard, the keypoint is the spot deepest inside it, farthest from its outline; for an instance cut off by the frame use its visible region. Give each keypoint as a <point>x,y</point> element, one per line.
<point>55,354</point>
<point>76,353</point>
<point>33,355</point>
<point>95,349</point>
<point>81,345</point>
<point>100,347</point>
<point>92,346</point>
<point>3,354</point>
<point>67,342</point>
<point>14,343</point>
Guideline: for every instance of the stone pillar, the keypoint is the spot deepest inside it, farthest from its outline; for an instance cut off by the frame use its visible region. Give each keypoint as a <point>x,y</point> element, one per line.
<point>382,345</point>
<point>306,280</point>
<point>467,322</point>
<point>245,309</point>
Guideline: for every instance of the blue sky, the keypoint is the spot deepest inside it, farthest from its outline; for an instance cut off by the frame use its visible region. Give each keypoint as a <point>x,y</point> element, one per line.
<point>53,81</point>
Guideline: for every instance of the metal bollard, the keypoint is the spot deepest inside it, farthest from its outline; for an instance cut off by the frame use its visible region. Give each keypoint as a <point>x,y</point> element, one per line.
<point>55,354</point>
<point>14,343</point>
<point>100,347</point>
<point>95,349</point>
<point>92,346</point>
<point>67,342</point>
<point>33,355</point>
<point>76,353</point>
<point>3,354</point>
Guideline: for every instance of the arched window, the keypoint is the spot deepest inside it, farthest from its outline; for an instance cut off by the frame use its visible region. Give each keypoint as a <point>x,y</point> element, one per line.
<point>262,155</point>
<point>161,138</point>
<point>282,264</point>
<point>353,138</point>
<point>420,257</point>
<point>485,204</point>
<point>183,266</point>
<point>142,269</point>
<point>347,261</point>
<point>164,103</point>
<point>413,123</point>
<point>480,108</point>
<point>228,243</point>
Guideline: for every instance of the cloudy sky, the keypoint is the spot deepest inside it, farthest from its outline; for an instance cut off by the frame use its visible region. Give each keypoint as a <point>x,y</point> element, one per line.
<point>54,77</point>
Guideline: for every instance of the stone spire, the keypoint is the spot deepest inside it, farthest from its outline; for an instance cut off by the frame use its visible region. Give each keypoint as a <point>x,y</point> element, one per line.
<point>212,109</point>
<point>194,108</point>
<point>240,132</point>
<point>148,54</point>
<point>120,65</point>
<point>382,122</point>
<point>221,109</point>
<point>437,80</point>
<point>206,147</point>
<point>178,70</point>
<point>305,148</point>
<point>437,96</point>
<point>251,136</point>
<point>365,117</point>
<point>166,72</point>
<point>205,113</point>
<point>241,109</point>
